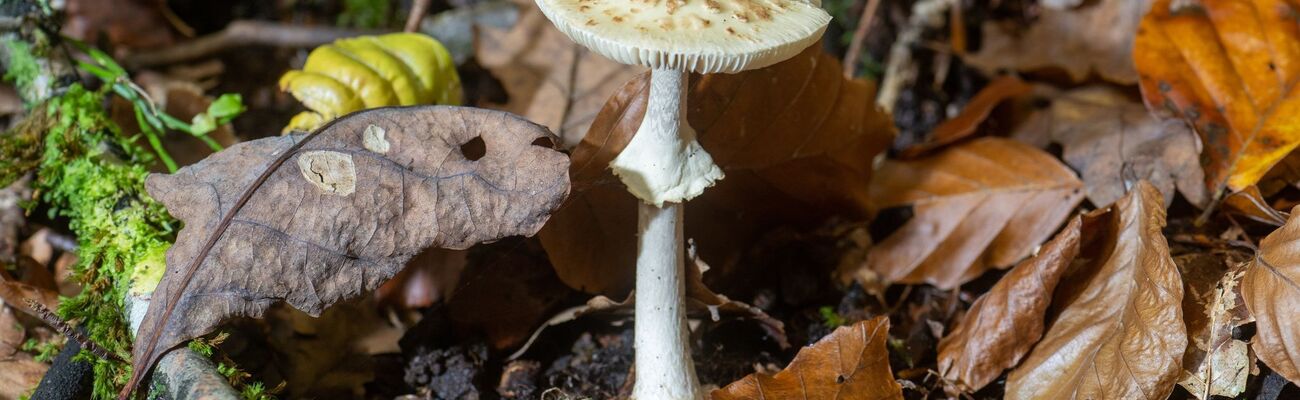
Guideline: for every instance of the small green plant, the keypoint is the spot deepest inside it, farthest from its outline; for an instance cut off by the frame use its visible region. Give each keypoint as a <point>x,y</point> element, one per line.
<point>830,318</point>
<point>153,123</point>
<point>43,351</point>
<point>367,14</point>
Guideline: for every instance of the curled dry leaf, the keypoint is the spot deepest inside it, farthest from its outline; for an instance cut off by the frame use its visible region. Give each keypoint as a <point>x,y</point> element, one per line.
<point>349,206</point>
<point>1272,296</point>
<point>1229,69</point>
<point>976,111</point>
<point>550,79</point>
<point>1215,364</point>
<point>1001,327</point>
<point>1114,143</point>
<point>982,204</point>
<point>1096,36</point>
<point>1120,332</point>
<point>15,294</point>
<point>850,363</point>
<point>795,139</point>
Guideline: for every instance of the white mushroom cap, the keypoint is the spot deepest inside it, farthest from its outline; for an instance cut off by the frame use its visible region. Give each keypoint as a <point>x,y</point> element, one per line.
<point>702,36</point>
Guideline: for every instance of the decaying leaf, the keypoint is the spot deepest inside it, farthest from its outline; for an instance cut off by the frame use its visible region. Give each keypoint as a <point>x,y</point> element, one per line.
<point>1272,295</point>
<point>344,211</point>
<point>1096,36</point>
<point>1121,334</point>
<point>850,363</point>
<point>507,290</point>
<point>1228,68</point>
<point>797,135</point>
<point>1215,364</point>
<point>12,333</point>
<point>1114,143</point>
<point>1001,327</point>
<point>550,79</point>
<point>983,204</point>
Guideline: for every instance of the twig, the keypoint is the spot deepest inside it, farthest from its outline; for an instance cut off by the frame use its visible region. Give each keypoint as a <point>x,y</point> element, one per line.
<point>418,9</point>
<point>63,327</point>
<point>900,70</point>
<point>242,33</point>
<point>859,36</point>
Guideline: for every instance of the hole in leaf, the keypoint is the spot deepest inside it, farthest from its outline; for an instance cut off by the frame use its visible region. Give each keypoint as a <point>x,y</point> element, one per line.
<point>839,379</point>
<point>474,149</point>
<point>544,142</point>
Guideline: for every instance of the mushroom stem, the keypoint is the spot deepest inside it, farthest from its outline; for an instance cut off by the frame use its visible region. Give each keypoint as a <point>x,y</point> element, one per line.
<point>664,369</point>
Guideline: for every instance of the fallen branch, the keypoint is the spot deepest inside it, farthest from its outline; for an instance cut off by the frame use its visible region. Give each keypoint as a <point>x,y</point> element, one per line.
<point>238,34</point>
<point>859,36</point>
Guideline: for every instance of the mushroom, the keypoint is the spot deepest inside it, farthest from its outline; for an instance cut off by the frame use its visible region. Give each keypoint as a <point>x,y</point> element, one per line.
<point>664,165</point>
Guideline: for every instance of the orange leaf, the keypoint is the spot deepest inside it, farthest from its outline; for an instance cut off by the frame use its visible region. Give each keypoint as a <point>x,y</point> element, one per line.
<point>1272,295</point>
<point>1120,334</point>
<point>1001,327</point>
<point>850,363</point>
<point>983,204</point>
<point>796,140</point>
<point>1227,68</point>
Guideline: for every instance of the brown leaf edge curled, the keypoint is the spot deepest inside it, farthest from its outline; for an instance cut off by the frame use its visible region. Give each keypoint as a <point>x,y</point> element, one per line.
<point>1120,333</point>
<point>417,182</point>
<point>1003,324</point>
<point>850,363</point>
<point>1272,295</point>
<point>972,115</point>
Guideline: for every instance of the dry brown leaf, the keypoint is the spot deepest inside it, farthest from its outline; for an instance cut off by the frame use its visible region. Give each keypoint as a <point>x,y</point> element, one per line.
<point>125,23</point>
<point>1000,328</point>
<point>551,80</point>
<point>1250,203</point>
<point>983,204</point>
<point>16,293</point>
<point>1228,68</point>
<point>19,375</point>
<point>796,141</point>
<point>1215,364</point>
<point>1114,142</point>
<point>1121,336</point>
<point>851,363</point>
<point>344,212</point>
<point>12,334</point>
<point>972,115</point>
<point>1272,296</point>
<point>1096,36</point>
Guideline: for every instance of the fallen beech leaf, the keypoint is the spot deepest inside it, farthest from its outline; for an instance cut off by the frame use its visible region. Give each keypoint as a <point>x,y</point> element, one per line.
<point>345,211</point>
<point>550,79</point>
<point>1272,296</point>
<point>795,139</point>
<point>1114,142</point>
<point>1122,335</point>
<point>976,111</point>
<point>1097,36</point>
<point>1215,364</point>
<point>850,363</point>
<point>135,24</point>
<point>1227,68</point>
<point>1000,328</point>
<point>986,203</point>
